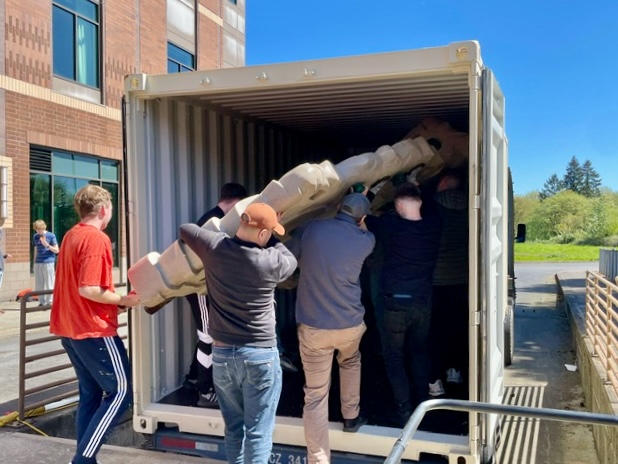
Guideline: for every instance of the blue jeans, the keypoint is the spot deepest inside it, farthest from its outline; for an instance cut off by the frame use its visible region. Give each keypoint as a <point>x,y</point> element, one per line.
<point>103,374</point>
<point>405,337</point>
<point>248,385</point>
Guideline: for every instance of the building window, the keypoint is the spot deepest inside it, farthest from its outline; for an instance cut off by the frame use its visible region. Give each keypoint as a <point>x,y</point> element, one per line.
<point>179,60</point>
<point>234,1</point>
<point>55,177</point>
<point>76,41</point>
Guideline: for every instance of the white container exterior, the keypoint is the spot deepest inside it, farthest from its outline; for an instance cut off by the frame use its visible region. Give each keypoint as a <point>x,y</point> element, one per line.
<point>181,151</point>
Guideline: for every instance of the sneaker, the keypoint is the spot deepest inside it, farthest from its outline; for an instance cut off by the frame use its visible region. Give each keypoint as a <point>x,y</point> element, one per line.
<point>402,414</point>
<point>208,400</point>
<point>436,388</point>
<point>287,364</point>
<point>453,376</point>
<point>352,425</point>
<point>189,383</point>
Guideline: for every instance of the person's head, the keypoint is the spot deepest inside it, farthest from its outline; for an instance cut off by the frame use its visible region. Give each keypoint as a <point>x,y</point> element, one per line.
<point>257,224</point>
<point>231,193</point>
<point>39,226</point>
<point>355,205</point>
<point>449,180</point>
<point>94,203</point>
<point>408,201</point>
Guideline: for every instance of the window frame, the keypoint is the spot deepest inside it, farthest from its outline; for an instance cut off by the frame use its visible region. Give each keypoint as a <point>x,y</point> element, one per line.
<point>176,61</point>
<point>72,86</point>
<point>101,179</point>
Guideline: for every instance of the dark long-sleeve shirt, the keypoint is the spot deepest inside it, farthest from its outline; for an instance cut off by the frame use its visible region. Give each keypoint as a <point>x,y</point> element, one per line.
<point>410,250</point>
<point>241,278</point>
<point>452,265</point>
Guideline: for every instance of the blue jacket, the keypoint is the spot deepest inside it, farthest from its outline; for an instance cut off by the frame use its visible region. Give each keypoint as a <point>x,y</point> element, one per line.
<point>330,255</point>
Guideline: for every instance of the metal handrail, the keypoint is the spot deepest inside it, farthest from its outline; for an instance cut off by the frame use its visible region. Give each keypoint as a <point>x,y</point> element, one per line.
<point>413,423</point>
<point>47,389</point>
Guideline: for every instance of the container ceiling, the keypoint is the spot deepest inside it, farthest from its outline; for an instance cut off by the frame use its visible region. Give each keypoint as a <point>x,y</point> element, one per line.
<point>367,110</point>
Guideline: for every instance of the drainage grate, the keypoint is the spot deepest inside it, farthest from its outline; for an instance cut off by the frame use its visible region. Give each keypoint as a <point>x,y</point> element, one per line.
<point>520,435</point>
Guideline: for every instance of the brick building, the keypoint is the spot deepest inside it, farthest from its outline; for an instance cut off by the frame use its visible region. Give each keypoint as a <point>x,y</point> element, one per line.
<point>62,69</point>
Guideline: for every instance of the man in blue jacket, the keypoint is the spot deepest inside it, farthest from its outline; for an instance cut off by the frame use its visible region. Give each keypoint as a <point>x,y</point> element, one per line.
<point>330,315</point>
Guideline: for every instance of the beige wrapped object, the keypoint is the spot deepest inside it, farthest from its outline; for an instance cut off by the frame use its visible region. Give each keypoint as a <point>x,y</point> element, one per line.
<point>307,191</point>
<point>454,149</point>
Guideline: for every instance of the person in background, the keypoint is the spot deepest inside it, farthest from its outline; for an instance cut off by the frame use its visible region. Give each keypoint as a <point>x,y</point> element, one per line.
<point>449,316</point>
<point>85,315</point>
<point>241,275</point>
<point>409,243</point>
<point>329,313</point>
<point>200,372</point>
<point>45,251</point>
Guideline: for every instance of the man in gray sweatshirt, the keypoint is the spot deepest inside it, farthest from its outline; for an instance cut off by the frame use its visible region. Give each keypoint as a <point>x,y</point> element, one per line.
<point>330,315</point>
<point>241,276</point>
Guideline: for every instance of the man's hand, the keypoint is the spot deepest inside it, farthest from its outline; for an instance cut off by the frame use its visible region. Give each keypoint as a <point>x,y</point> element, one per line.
<point>44,241</point>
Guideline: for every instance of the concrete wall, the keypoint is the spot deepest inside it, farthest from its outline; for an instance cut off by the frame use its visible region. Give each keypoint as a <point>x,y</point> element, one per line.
<point>600,396</point>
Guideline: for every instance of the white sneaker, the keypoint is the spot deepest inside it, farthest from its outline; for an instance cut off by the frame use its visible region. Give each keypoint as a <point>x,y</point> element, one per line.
<point>436,388</point>
<point>453,376</point>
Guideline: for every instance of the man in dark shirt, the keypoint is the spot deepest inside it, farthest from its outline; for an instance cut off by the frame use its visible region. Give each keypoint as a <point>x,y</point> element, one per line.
<point>241,276</point>
<point>200,372</point>
<point>449,318</point>
<point>409,243</point>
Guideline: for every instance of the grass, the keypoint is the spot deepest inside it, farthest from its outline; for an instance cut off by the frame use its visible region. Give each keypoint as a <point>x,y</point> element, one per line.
<point>534,251</point>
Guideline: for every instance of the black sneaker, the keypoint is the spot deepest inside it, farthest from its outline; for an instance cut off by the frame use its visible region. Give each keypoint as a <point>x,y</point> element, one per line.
<point>208,400</point>
<point>189,383</point>
<point>352,425</point>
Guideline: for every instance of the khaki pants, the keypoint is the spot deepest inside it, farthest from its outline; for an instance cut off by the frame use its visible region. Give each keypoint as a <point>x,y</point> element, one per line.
<point>317,347</point>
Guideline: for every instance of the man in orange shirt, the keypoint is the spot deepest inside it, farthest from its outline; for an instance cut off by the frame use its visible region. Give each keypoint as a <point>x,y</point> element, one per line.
<point>85,314</point>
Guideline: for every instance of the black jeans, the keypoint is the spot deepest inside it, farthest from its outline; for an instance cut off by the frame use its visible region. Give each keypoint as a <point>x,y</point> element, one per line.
<point>449,329</point>
<point>405,345</point>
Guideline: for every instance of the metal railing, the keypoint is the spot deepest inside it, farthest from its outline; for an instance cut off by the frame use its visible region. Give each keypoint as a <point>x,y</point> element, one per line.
<point>42,360</point>
<point>602,322</point>
<point>413,423</point>
<point>608,263</point>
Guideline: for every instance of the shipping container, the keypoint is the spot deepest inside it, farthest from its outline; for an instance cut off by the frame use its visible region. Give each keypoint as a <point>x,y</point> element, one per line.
<point>189,133</point>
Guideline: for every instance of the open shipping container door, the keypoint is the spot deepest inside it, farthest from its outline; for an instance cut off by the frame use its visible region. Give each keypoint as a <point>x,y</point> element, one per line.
<point>494,252</point>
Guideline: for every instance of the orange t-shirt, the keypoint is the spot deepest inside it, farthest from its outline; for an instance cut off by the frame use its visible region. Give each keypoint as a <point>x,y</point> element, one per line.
<point>85,259</point>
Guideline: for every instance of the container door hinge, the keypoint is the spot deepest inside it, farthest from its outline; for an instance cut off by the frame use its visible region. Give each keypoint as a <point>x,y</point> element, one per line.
<point>476,201</point>
<point>476,318</point>
<point>475,434</point>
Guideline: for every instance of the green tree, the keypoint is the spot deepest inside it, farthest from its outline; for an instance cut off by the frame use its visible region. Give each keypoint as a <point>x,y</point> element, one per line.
<point>552,186</point>
<point>597,223</point>
<point>574,177</point>
<point>524,206</point>
<point>591,181</point>
<point>561,217</point>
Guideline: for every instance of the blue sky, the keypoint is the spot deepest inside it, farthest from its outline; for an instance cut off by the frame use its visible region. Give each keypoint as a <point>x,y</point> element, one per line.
<point>556,62</point>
